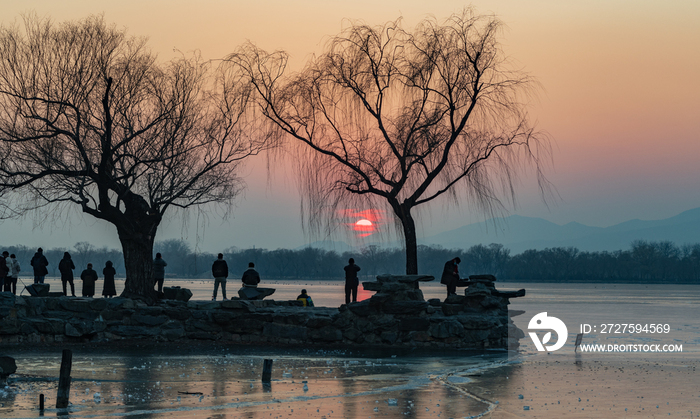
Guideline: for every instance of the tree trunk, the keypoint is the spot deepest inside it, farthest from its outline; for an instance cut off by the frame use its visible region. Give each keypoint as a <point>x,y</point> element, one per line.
<point>138,263</point>
<point>138,254</point>
<point>409,234</point>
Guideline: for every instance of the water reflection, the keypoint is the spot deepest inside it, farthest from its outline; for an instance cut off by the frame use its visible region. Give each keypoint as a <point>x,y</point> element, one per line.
<point>211,382</point>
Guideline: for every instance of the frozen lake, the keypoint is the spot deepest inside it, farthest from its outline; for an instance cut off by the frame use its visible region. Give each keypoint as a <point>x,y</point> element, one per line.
<point>214,381</point>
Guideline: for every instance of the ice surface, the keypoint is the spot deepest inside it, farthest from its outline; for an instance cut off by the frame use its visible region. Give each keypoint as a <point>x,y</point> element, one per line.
<point>167,382</point>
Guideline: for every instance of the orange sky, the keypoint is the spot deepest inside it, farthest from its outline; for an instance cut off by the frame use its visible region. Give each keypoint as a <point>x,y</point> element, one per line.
<point>620,96</point>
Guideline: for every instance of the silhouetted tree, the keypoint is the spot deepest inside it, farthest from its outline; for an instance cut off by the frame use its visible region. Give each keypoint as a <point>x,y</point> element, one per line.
<point>88,118</point>
<point>397,118</point>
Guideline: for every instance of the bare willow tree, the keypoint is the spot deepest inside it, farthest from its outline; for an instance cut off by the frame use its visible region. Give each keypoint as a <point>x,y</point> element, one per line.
<point>89,118</point>
<point>387,116</point>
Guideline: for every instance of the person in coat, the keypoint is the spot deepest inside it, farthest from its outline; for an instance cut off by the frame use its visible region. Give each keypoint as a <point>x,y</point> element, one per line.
<point>66,266</point>
<point>251,277</point>
<point>450,275</point>
<point>109,290</point>
<point>4,271</point>
<point>39,263</point>
<point>89,277</point>
<point>14,272</point>
<point>220,271</point>
<point>159,271</point>
<point>306,301</point>
<point>351,281</point>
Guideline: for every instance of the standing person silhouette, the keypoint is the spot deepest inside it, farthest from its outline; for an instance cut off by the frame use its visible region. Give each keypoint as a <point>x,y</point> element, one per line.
<point>39,263</point>
<point>66,266</point>
<point>4,271</point>
<point>89,277</point>
<point>450,275</point>
<point>159,271</point>
<point>109,289</point>
<point>14,273</point>
<point>351,281</point>
<point>220,271</point>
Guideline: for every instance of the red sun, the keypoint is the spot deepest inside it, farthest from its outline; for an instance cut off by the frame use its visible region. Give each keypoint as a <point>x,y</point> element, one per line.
<point>364,225</point>
<point>363,222</point>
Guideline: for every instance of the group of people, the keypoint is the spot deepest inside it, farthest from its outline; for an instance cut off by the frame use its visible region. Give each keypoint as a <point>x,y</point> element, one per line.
<point>10,268</point>
<point>9,272</point>
<point>450,278</point>
<point>250,278</point>
<point>219,269</point>
<point>88,276</point>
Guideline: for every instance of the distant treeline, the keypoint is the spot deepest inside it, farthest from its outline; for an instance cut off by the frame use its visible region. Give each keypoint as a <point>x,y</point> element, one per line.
<point>644,262</point>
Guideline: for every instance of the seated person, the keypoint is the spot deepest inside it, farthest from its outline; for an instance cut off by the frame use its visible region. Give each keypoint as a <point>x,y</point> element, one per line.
<point>305,299</point>
<point>251,277</point>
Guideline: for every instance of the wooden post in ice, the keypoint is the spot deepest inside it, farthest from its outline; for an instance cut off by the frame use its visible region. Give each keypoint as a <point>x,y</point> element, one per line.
<point>64,380</point>
<point>267,370</point>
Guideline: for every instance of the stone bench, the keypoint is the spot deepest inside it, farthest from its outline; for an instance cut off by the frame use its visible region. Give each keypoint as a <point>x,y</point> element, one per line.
<point>487,280</point>
<point>255,293</point>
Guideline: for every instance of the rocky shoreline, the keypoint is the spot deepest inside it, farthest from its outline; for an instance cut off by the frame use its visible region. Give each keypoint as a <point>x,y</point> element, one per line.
<point>396,316</point>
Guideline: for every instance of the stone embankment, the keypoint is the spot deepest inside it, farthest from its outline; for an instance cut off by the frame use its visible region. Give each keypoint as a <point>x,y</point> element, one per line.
<point>397,315</point>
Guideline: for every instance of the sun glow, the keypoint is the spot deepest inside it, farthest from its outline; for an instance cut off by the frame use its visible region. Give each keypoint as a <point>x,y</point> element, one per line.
<point>363,222</point>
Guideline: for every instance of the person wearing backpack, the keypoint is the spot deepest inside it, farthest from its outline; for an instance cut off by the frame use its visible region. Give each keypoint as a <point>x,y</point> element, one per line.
<point>306,301</point>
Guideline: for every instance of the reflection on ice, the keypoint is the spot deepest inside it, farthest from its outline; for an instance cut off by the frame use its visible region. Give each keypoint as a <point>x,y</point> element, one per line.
<point>201,382</point>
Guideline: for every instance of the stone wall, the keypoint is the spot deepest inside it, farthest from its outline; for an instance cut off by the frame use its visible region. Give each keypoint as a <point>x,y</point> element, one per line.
<point>396,315</point>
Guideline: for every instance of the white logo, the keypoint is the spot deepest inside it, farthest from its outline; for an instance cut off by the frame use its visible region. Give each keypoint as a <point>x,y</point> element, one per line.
<point>543,322</point>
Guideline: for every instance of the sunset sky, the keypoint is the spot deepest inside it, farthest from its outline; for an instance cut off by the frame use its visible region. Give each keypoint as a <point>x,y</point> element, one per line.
<point>620,99</point>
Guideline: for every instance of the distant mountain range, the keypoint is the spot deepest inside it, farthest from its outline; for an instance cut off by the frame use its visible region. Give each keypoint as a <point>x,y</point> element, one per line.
<point>519,233</point>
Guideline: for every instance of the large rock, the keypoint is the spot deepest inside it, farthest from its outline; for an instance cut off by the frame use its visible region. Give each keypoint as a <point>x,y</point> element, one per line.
<point>405,307</point>
<point>477,290</point>
<point>38,290</point>
<point>397,287</point>
<point>242,305</point>
<point>325,334</point>
<point>253,293</point>
<point>285,331</point>
<point>446,328</point>
<point>7,303</point>
<point>487,277</point>
<point>372,286</point>
<point>149,320</point>
<point>7,367</point>
<point>362,308</point>
<point>177,293</point>
<point>77,305</point>
<point>406,279</point>
<point>410,324</point>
